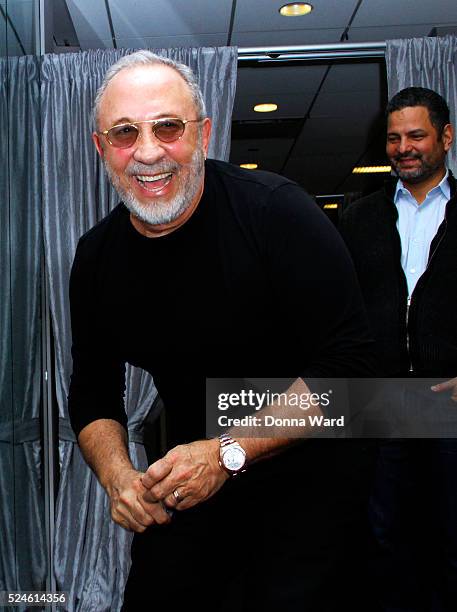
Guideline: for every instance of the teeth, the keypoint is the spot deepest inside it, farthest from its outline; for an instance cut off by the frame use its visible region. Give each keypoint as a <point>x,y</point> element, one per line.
<point>152,179</point>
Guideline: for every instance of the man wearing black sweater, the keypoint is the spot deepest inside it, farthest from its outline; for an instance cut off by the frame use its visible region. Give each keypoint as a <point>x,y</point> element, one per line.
<point>403,240</point>
<point>207,270</point>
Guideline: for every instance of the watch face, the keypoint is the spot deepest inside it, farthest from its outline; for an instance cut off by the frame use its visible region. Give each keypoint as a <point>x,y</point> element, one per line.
<point>234,458</point>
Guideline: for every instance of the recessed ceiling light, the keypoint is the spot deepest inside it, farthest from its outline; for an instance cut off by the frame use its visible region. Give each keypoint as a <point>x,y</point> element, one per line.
<point>265,108</point>
<point>371,169</point>
<point>249,166</point>
<point>296,9</point>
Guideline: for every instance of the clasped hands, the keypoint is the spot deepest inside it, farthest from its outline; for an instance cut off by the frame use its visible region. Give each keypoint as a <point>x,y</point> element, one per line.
<point>186,476</point>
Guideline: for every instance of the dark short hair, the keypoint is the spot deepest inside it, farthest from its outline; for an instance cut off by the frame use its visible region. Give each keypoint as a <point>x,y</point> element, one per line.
<point>436,105</point>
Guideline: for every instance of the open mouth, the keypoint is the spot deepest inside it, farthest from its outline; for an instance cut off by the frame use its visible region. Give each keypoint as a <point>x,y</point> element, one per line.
<point>408,162</point>
<point>155,182</point>
<point>407,159</point>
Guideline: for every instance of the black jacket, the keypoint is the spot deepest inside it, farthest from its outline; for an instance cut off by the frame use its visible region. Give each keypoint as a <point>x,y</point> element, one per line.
<point>369,229</point>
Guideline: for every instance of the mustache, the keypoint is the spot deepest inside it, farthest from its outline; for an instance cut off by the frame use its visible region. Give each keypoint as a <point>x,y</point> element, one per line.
<point>407,156</point>
<point>157,168</point>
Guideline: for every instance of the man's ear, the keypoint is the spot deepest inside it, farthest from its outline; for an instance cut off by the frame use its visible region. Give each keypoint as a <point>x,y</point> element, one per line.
<point>447,136</point>
<point>98,144</point>
<point>206,134</point>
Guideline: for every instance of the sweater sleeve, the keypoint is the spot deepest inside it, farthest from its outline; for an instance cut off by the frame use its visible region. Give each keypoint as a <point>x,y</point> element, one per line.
<point>313,277</point>
<point>98,379</point>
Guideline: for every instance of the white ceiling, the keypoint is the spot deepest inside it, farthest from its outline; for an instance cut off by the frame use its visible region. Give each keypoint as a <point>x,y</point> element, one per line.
<point>329,115</point>
<point>165,23</point>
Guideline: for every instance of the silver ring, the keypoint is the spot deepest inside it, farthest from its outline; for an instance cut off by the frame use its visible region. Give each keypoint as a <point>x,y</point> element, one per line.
<point>177,496</point>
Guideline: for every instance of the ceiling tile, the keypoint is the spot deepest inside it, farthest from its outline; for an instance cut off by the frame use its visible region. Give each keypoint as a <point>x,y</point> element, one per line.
<point>320,174</point>
<point>10,46</point>
<point>291,87</point>
<point>272,163</point>
<point>258,15</point>
<point>354,77</point>
<point>322,135</point>
<point>90,21</point>
<point>167,42</point>
<point>265,147</point>
<point>270,155</point>
<point>21,18</point>
<point>64,34</point>
<point>365,105</point>
<point>269,161</point>
<point>279,38</point>
<point>289,105</point>
<point>405,12</point>
<point>3,51</point>
<point>279,79</point>
<point>143,18</point>
<point>96,43</point>
<point>383,33</point>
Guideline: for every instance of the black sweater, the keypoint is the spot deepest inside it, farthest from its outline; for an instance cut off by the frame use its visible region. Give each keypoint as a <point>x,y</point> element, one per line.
<point>256,283</point>
<point>369,229</point>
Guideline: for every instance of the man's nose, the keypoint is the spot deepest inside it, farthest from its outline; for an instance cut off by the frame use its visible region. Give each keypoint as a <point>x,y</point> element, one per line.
<point>148,148</point>
<point>405,145</point>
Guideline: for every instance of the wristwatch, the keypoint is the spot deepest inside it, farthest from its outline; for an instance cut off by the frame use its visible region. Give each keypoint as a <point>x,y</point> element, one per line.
<point>232,457</point>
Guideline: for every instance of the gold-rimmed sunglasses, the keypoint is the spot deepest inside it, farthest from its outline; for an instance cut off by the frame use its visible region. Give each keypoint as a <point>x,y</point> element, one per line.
<point>124,135</point>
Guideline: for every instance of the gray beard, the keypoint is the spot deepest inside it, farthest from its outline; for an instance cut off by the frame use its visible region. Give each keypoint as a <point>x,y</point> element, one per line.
<point>423,172</point>
<point>162,212</point>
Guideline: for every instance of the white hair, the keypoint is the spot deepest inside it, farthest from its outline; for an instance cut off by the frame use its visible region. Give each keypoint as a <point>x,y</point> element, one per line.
<point>147,58</point>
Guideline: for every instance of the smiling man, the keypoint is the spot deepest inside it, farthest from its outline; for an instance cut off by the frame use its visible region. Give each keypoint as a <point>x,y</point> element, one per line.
<point>160,191</point>
<point>403,240</point>
<point>417,143</point>
<point>208,270</point>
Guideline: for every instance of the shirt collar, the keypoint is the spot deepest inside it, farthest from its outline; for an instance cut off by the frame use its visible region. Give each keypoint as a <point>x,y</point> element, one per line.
<point>442,186</point>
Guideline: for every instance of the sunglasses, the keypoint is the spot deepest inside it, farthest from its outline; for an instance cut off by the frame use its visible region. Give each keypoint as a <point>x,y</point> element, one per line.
<point>125,135</point>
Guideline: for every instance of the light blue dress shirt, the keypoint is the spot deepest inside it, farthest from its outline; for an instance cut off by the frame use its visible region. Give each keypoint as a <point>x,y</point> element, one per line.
<point>417,225</point>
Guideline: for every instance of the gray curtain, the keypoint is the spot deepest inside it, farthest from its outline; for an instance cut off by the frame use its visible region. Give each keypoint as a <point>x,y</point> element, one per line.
<point>426,62</point>
<point>22,543</point>
<point>92,554</point>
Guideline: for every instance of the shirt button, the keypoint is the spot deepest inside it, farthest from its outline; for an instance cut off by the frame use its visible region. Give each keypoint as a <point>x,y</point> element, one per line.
<point>412,270</point>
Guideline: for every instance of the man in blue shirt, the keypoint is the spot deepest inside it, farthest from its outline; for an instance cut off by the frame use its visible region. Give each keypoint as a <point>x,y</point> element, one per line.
<point>403,240</point>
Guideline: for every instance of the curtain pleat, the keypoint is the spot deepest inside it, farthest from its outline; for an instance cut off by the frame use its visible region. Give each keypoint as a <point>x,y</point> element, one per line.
<point>426,62</point>
<point>23,544</point>
<point>92,554</point>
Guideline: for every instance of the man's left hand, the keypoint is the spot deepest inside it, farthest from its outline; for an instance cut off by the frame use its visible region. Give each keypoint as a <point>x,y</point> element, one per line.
<point>195,475</point>
<point>449,385</point>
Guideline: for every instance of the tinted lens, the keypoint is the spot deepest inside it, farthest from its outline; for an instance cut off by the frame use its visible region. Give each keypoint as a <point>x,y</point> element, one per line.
<point>123,136</point>
<point>169,130</point>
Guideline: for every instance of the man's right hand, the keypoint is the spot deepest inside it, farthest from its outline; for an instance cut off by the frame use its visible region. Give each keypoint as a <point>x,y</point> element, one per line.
<point>104,444</point>
<point>128,508</point>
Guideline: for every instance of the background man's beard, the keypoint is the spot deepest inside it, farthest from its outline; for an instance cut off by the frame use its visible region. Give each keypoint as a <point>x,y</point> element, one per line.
<point>163,211</point>
<point>415,175</point>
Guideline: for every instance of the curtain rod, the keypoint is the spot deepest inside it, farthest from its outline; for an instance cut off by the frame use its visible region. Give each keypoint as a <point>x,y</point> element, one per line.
<point>312,52</point>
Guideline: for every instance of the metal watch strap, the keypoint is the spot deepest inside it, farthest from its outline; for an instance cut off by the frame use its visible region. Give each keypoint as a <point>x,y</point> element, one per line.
<point>226,440</point>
